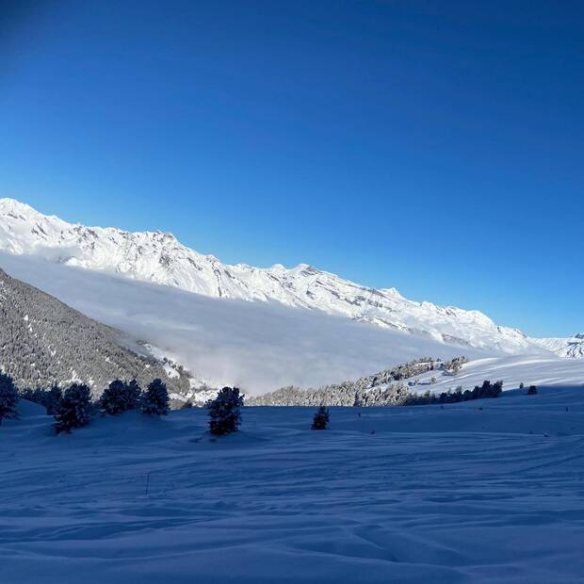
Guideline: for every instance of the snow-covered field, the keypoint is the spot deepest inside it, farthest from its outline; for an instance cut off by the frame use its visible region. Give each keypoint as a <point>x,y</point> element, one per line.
<point>512,370</point>
<point>482,491</point>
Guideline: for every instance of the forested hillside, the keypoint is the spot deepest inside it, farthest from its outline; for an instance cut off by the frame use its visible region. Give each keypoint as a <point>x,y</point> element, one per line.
<point>44,342</point>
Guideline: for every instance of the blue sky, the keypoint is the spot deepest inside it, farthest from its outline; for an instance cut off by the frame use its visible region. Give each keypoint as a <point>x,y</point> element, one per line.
<point>433,146</point>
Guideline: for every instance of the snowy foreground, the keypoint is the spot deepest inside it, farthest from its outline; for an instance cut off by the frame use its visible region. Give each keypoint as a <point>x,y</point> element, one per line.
<point>482,491</point>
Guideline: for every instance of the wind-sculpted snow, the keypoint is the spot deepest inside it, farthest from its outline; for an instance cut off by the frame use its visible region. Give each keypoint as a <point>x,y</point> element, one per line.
<point>476,492</point>
<point>159,258</point>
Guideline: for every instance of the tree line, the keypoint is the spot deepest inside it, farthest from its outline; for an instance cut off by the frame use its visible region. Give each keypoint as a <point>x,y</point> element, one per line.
<point>73,407</point>
<point>389,387</point>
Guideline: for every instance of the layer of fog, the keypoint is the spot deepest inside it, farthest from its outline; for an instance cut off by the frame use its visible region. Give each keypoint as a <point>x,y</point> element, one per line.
<point>258,346</point>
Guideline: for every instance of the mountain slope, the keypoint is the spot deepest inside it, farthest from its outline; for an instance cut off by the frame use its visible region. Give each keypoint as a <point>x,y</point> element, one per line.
<point>570,348</point>
<point>44,342</point>
<point>159,258</point>
<point>429,376</point>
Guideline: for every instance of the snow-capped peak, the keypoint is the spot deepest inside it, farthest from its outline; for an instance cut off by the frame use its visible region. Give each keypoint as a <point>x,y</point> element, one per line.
<point>158,257</point>
<point>7,204</point>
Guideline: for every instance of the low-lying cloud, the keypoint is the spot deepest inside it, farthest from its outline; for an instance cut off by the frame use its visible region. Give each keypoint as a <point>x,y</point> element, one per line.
<point>259,346</point>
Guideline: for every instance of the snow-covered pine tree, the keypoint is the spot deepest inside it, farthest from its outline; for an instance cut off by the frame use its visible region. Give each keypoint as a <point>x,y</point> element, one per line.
<point>53,400</point>
<point>321,419</point>
<point>155,400</point>
<point>114,399</point>
<point>75,409</point>
<point>8,397</point>
<point>133,395</point>
<point>224,411</point>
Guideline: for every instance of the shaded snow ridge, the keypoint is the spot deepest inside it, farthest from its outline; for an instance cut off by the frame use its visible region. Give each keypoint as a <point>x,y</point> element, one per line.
<point>160,258</point>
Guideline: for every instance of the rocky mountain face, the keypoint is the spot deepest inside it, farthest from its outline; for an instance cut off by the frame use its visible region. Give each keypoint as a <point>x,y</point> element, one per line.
<point>160,258</point>
<point>43,342</point>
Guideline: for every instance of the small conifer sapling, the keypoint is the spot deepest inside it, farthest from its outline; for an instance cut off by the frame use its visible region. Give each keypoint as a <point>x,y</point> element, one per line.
<point>321,419</point>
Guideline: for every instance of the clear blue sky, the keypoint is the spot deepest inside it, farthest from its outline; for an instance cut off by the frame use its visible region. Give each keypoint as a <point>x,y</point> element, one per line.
<point>433,146</point>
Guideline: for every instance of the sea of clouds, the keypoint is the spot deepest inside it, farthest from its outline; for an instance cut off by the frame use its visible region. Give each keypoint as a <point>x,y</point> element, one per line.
<point>258,346</point>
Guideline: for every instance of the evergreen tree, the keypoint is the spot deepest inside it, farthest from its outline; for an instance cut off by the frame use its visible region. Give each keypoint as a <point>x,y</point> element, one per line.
<point>8,398</point>
<point>133,395</point>
<point>114,399</point>
<point>497,389</point>
<point>224,411</point>
<point>532,390</point>
<point>321,419</point>
<point>75,409</point>
<point>27,394</point>
<point>53,400</point>
<point>39,396</point>
<point>155,401</point>
<point>65,340</point>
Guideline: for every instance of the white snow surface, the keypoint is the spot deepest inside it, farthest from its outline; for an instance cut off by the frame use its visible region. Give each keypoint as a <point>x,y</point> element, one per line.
<point>535,370</point>
<point>158,257</point>
<point>488,491</point>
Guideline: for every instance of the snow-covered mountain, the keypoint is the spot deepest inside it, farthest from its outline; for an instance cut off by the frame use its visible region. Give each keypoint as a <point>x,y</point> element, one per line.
<point>160,258</point>
<point>571,347</point>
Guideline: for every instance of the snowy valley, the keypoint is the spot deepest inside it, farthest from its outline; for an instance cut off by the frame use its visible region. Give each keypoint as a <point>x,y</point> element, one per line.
<point>291,292</point>
<point>260,329</point>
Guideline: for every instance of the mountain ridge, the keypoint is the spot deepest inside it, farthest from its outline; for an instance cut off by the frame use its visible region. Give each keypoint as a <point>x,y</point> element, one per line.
<point>158,257</point>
